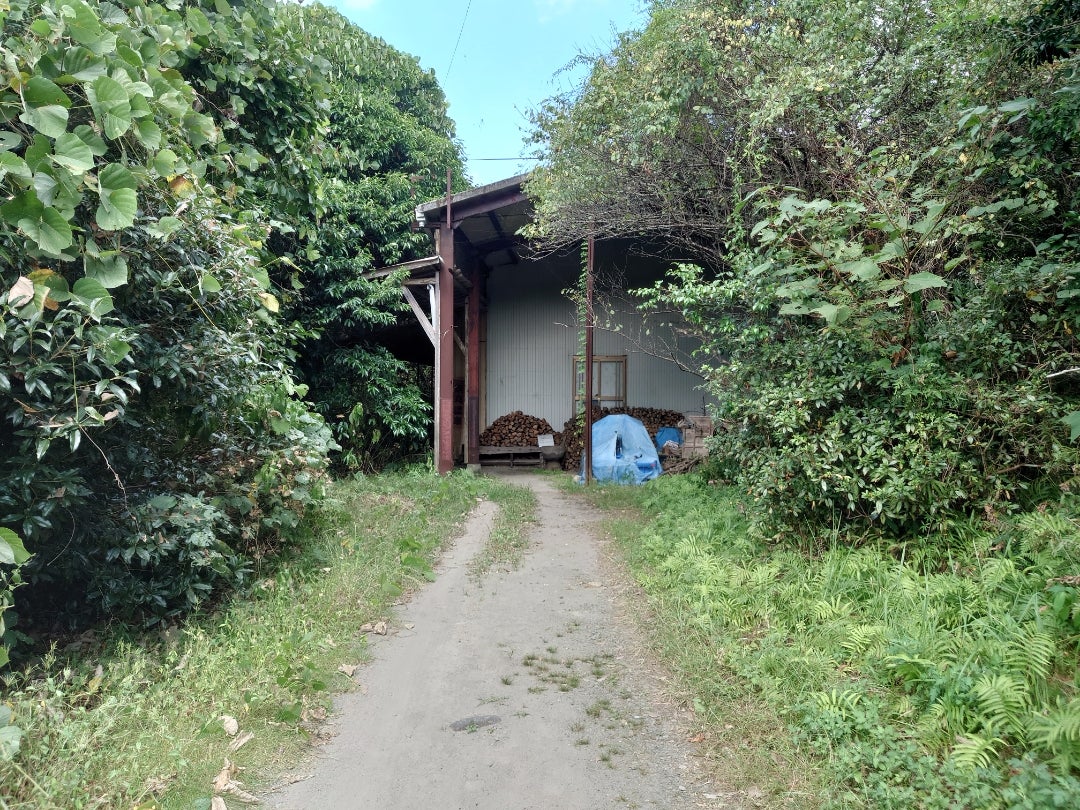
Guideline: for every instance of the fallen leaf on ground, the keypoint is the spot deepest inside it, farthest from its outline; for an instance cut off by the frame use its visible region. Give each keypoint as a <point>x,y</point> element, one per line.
<point>316,713</point>
<point>409,626</point>
<point>236,791</point>
<point>348,669</point>
<point>293,778</point>
<point>230,724</point>
<point>594,584</point>
<point>380,628</point>
<point>241,741</point>
<point>218,803</point>
<point>222,780</point>
<point>699,737</point>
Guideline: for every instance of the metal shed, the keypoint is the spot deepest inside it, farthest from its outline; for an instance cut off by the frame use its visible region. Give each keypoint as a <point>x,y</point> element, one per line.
<point>506,337</point>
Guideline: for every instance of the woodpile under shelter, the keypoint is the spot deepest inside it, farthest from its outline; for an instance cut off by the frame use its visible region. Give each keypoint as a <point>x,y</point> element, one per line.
<point>505,330</point>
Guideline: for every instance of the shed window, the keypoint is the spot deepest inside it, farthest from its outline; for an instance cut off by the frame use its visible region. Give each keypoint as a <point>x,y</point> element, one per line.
<point>609,382</point>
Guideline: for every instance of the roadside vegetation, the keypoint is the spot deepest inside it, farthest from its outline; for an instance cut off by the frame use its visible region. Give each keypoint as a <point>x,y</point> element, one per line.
<point>123,719</point>
<point>837,671</point>
<point>191,192</point>
<point>876,205</point>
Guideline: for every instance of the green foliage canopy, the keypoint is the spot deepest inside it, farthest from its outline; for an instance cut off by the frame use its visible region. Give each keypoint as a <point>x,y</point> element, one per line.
<point>153,439</point>
<point>878,205</point>
<point>392,145</point>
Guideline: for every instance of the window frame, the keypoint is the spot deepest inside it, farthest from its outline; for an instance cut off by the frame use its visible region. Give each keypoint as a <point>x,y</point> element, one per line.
<point>599,400</point>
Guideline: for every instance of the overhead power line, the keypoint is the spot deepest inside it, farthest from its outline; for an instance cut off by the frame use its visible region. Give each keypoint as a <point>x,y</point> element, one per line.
<point>458,42</point>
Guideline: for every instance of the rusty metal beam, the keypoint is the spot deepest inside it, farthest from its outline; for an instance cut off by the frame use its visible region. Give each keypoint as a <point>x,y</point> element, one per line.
<point>472,371</point>
<point>459,277</point>
<point>471,203</point>
<point>512,244</point>
<point>471,208</point>
<point>444,373</point>
<point>414,265</point>
<point>590,320</point>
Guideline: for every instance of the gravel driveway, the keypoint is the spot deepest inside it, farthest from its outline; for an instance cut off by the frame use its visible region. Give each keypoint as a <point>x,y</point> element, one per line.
<point>526,689</point>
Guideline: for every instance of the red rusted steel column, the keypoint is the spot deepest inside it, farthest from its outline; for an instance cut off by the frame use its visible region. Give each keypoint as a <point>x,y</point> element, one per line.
<point>472,371</point>
<point>445,395</point>
<point>589,323</point>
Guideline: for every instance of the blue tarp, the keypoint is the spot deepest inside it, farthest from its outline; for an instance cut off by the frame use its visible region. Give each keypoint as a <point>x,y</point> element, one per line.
<point>668,434</point>
<point>622,451</point>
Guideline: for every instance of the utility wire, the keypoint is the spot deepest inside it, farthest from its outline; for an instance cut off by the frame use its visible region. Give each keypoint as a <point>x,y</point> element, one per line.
<point>458,42</point>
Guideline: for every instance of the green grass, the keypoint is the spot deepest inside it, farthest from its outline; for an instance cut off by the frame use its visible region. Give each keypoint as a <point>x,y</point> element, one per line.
<point>132,720</point>
<point>508,539</point>
<point>938,673</point>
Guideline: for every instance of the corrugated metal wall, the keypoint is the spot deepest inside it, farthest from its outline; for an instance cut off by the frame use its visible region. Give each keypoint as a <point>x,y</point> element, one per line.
<point>533,336</point>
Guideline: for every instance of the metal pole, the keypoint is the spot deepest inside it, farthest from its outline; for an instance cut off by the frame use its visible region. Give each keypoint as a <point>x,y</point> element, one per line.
<point>589,323</point>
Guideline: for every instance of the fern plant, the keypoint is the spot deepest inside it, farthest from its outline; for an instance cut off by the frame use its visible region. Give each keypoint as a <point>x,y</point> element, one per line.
<point>1031,653</point>
<point>1004,704</point>
<point>974,751</point>
<point>1057,733</point>
<point>1051,533</point>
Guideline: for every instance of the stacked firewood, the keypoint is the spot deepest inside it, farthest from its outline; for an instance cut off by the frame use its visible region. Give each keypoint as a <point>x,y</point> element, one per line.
<point>683,465</point>
<point>516,429</point>
<point>652,418</point>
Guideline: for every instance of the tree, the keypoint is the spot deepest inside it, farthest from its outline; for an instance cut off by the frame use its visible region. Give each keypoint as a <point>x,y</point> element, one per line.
<point>392,145</point>
<point>153,438</point>
<point>878,201</point>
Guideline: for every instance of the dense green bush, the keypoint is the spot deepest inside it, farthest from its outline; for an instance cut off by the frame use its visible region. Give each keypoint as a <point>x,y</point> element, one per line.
<point>152,440</point>
<point>881,209</point>
<point>176,175</point>
<point>379,407</point>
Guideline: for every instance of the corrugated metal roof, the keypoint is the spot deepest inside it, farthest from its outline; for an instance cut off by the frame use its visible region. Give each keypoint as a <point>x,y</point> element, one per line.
<point>491,196</point>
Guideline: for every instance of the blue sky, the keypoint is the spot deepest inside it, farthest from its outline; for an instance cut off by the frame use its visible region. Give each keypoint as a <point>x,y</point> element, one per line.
<point>505,62</point>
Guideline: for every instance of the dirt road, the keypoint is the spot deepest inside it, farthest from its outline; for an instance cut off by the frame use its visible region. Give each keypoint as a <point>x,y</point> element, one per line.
<point>523,690</point>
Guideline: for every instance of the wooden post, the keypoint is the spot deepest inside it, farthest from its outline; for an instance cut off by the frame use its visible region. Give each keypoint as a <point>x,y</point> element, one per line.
<point>589,323</point>
<point>436,339</point>
<point>472,373</point>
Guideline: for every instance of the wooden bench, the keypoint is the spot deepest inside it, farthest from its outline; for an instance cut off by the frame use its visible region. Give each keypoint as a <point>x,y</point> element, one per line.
<point>511,456</point>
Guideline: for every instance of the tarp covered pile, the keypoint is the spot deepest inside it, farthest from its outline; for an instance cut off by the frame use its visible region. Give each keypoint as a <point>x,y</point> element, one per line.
<point>623,452</point>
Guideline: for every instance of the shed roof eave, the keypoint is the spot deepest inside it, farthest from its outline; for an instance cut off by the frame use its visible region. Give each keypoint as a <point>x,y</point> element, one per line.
<point>473,201</point>
<point>414,266</point>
